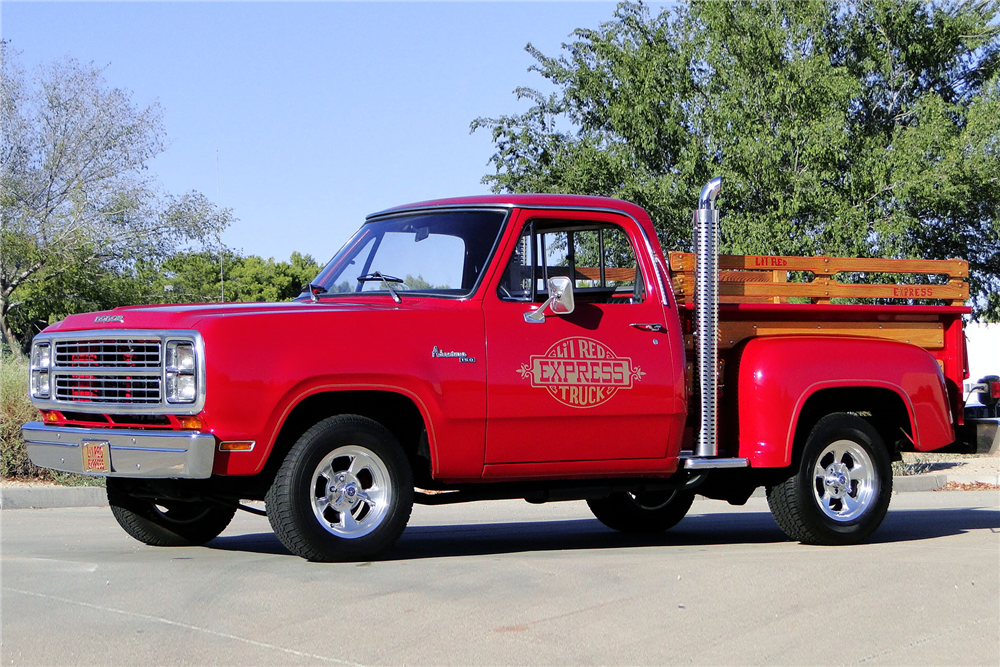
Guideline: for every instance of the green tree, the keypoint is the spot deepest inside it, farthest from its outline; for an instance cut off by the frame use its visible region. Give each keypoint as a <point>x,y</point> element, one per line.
<point>78,211</point>
<point>302,269</point>
<point>74,289</point>
<point>859,129</point>
<point>187,277</point>
<point>256,279</point>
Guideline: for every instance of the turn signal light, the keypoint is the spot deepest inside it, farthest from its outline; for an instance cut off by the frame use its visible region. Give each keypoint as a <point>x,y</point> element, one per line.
<point>236,446</point>
<point>49,416</point>
<point>192,423</point>
<point>994,389</point>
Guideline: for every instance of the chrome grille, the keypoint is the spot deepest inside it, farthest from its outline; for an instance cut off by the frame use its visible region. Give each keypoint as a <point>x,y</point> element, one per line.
<point>118,371</point>
<point>108,353</point>
<point>107,388</point>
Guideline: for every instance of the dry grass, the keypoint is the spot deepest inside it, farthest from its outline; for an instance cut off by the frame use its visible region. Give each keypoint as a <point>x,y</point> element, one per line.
<point>15,410</point>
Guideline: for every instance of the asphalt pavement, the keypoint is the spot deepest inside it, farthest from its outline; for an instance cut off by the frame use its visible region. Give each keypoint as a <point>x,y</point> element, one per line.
<point>506,582</point>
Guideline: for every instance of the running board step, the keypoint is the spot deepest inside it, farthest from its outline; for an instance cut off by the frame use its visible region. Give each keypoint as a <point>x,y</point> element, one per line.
<point>707,462</point>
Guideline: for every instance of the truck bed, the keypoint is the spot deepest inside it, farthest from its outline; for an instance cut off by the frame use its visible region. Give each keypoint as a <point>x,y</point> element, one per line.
<point>773,296</point>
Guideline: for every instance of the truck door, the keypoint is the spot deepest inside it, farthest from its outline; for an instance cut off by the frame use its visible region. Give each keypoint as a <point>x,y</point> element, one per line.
<point>593,385</point>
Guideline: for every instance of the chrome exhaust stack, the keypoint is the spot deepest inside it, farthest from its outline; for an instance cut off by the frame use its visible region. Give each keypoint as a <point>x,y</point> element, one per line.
<point>706,240</point>
<point>706,247</point>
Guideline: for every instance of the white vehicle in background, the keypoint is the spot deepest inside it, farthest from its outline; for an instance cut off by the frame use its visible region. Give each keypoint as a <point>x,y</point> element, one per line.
<point>982,407</point>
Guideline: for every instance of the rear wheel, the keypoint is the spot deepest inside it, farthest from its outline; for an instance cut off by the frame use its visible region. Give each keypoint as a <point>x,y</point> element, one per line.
<point>166,523</point>
<point>647,512</point>
<point>344,492</point>
<point>840,492</point>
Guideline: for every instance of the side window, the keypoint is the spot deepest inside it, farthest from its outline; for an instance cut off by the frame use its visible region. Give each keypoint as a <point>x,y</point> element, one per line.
<point>598,257</point>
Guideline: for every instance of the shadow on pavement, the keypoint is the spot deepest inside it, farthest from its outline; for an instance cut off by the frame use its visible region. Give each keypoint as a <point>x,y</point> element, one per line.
<point>577,534</point>
<point>479,539</point>
<point>257,543</point>
<point>908,525</point>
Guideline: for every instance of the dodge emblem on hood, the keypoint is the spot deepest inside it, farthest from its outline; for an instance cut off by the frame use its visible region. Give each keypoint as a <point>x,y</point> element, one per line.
<point>110,318</point>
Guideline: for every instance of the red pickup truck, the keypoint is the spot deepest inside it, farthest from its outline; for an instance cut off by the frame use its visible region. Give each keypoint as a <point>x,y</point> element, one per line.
<point>510,346</point>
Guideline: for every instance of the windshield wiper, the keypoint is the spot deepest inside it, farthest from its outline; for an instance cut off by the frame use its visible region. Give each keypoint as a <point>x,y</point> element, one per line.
<point>385,281</point>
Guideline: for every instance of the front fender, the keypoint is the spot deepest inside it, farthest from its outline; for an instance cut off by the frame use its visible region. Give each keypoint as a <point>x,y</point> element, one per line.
<point>260,367</point>
<point>777,375</point>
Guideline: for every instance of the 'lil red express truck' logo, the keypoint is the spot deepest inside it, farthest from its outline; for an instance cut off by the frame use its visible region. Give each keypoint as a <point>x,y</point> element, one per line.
<point>581,372</point>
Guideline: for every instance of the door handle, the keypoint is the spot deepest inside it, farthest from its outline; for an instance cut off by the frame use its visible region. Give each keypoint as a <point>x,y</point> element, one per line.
<point>655,328</point>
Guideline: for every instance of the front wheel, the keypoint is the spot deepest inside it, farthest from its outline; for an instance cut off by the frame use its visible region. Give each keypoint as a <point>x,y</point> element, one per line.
<point>646,512</point>
<point>343,493</point>
<point>166,523</point>
<point>841,490</point>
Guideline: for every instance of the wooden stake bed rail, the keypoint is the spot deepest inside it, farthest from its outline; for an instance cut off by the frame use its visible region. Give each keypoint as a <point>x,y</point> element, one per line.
<point>764,278</point>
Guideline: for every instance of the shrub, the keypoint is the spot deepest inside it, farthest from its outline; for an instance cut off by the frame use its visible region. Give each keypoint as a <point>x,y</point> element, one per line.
<point>15,410</point>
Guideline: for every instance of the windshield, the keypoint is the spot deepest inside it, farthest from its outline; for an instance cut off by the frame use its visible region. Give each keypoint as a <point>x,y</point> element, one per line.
<point>439,253</point>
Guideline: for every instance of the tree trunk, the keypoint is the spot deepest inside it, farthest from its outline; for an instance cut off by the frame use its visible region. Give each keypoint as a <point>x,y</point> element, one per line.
<point>8,336</point>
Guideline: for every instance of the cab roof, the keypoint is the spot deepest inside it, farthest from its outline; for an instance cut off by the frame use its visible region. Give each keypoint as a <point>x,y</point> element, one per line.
<point>524,201</point>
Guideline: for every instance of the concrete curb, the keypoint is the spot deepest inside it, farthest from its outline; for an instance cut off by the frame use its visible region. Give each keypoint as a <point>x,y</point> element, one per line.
<point>910,483</point>
<point>40,497</point>
<point>47,497</point>
<point>972,479</point>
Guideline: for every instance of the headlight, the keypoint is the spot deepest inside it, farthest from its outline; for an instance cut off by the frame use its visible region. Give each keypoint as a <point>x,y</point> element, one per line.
<point>180,357</point>
<point>40,355</point>
<point>182,382</point>
<point>181,388</point>
<point>40,361</point>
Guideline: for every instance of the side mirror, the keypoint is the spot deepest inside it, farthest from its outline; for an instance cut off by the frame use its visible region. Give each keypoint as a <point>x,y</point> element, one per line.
<point>560,300</point>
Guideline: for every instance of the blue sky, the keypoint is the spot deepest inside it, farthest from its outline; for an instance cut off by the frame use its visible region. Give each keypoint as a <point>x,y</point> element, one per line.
<point>320,112</point>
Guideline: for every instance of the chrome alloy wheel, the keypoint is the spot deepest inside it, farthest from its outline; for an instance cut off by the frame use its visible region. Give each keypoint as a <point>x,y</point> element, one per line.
<point>351,492</point>
<point>844,481</point>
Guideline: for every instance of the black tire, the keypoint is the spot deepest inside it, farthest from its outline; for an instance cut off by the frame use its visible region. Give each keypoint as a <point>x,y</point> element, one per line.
<point>649,512</point>
<point>343,493</point>
<point>167,523</point>
<point>840,492</point>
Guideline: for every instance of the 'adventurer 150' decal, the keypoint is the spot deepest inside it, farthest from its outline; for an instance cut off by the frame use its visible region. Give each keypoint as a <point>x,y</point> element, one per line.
<point>581,372</point>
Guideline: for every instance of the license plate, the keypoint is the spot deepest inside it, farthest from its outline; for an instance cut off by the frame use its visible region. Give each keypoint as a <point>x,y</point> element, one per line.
<point>96,456</point>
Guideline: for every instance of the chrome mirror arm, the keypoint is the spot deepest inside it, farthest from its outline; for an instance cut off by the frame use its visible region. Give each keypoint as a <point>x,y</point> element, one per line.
<point>560,294</point>
<point>538,315</point>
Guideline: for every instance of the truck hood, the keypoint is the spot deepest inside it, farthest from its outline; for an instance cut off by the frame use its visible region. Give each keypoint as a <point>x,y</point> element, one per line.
<point>187,315</point>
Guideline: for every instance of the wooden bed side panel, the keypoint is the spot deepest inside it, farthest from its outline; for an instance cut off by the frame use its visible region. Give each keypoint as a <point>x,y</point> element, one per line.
<point>928,335</point>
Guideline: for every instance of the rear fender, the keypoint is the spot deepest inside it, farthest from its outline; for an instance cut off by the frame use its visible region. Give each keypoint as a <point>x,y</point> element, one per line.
<point>778,375</point>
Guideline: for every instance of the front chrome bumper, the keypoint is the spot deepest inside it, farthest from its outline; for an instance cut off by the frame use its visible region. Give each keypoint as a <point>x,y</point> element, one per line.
<point>133,452</point>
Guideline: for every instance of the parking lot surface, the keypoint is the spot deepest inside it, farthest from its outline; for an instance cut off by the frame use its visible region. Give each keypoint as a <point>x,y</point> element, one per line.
<point>510,583</point>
